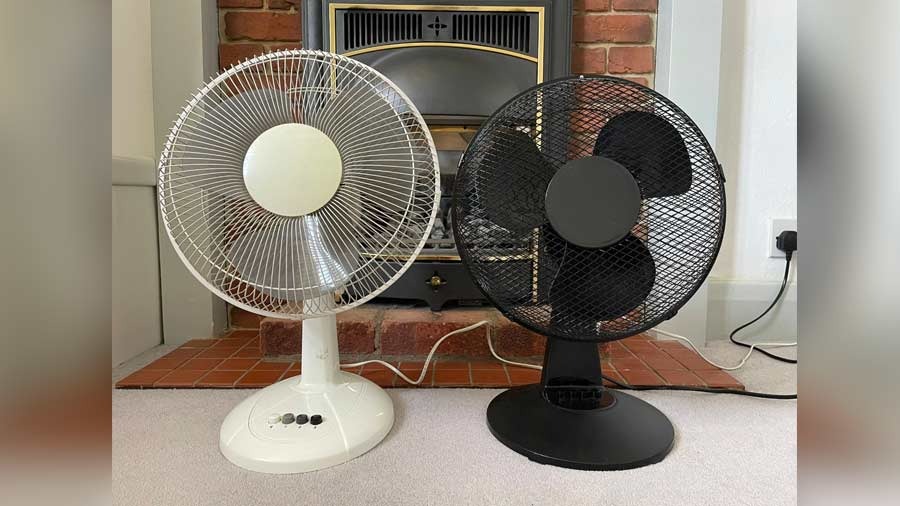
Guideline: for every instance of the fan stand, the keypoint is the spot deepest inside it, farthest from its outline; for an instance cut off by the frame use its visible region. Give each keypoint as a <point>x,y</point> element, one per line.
<point>571,420</point>
<point>356,414</point>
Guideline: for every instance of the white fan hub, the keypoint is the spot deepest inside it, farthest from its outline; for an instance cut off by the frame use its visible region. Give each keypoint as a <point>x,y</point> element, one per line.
<point>292,169</point>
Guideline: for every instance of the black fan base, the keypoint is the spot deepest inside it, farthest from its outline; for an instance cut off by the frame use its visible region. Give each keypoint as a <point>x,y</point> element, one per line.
<point>628,434</point>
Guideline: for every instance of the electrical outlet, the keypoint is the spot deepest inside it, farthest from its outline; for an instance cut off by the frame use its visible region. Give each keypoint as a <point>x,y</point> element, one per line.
<point>777,226</point>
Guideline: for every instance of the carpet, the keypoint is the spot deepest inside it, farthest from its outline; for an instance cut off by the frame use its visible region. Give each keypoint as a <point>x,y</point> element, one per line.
<point>728,450</point>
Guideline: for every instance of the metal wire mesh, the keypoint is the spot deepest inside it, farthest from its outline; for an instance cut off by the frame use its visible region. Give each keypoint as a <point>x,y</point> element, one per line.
<point>537,278</point>
<point>332,259</point>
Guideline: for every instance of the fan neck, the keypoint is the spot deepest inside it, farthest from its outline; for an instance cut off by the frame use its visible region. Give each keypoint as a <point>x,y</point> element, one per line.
<point>571,375</point>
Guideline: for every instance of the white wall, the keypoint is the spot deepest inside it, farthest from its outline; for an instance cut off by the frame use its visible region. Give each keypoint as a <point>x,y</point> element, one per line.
<point>757,132</point>
<point>132,80</point>
<point>184,43</point>
<point>136,315</point>
<point>757,145</point>
<point>687,72</point>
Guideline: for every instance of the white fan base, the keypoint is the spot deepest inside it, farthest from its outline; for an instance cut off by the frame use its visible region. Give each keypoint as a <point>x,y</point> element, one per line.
<point>357,414</point>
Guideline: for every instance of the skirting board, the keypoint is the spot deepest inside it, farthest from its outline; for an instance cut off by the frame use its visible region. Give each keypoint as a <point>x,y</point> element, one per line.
<point>733,303</point>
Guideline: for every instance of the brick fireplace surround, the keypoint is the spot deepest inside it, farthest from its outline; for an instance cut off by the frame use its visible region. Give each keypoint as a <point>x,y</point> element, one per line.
<point>615,37</point>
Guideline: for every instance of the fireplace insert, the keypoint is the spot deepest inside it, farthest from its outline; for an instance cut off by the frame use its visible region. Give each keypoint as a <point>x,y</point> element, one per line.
<point>458,62</point>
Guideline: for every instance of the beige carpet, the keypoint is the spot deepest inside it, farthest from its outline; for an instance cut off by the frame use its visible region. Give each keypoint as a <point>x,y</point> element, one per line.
<point>728,450</point>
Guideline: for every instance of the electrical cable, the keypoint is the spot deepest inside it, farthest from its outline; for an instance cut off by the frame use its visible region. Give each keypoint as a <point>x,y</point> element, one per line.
<point>626,386</point>
<point>787,269</point>
<point>754,346</point>
<point>427,360</point>
<point>732,391</point>
<point>619,384</point>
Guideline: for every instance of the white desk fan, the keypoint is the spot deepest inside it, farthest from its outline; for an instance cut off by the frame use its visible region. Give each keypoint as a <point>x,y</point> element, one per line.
<point>296,185</point>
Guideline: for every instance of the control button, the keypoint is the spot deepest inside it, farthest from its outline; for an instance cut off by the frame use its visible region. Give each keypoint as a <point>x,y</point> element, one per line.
<point>287,418</point>
<point>301,419</point>
<point>273,419</point>
<point>315,419</point>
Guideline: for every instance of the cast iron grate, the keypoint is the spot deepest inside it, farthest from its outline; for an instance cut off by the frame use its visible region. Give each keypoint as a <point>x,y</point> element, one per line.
<point>364,28</point>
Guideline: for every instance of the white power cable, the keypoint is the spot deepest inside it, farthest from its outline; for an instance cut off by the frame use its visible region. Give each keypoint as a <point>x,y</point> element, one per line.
<point>723,367</point>
<point>430,354</point>
<point>510,362</point>
<point>537,367</point>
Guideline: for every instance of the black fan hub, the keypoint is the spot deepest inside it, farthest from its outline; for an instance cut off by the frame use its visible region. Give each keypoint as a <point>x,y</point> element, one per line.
<point>593,202</point>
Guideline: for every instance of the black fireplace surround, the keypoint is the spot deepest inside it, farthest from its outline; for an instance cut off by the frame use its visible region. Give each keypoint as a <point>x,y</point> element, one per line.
<point>458,62</point>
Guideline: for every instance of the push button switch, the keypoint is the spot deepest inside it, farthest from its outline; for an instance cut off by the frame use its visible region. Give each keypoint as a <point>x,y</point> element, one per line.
<point>287,418</point>
<point>301,419</point>
<point>315,419</point>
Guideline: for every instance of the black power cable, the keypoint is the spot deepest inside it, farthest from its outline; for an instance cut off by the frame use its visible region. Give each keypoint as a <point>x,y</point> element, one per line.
<point>787,269</point>
<point>763,395</point>
<point>787,242</point>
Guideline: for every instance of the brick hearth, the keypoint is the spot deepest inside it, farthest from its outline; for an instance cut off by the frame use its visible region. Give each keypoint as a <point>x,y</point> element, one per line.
<point>395,332</point>
<point>261,351</point>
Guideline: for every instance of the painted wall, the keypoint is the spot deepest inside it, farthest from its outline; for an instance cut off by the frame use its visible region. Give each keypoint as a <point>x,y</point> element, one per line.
<point>757,132</point>
<point>183,41</point>
<point>136,317</point>
<point>757,145</point>
<point>132,80</point>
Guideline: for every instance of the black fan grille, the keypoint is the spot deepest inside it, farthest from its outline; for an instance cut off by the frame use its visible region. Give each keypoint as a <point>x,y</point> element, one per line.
<point>551,286</point>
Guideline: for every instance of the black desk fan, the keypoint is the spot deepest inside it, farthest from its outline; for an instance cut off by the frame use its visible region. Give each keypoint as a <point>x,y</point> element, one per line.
<point>588,209</point>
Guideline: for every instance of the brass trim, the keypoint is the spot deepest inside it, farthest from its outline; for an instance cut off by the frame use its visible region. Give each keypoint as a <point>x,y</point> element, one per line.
<point>436,258</point>
<point>332,11</point>
<point>415,7</point>
<point>447,258</point>
<point>422,256</point>
<point>456,129</point>
<point>442,44</point>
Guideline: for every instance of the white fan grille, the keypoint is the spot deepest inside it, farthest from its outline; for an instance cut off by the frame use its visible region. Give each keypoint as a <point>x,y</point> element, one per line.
<point>324,262</point>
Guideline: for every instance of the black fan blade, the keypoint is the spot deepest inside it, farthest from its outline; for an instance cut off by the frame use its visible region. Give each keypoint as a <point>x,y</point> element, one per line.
<point>651,148</point>
<point>595,285</point>
<point>514,196</point>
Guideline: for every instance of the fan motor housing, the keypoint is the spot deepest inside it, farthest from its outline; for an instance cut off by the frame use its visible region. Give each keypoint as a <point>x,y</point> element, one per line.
<point>593,202</point>
<point>292,169</point>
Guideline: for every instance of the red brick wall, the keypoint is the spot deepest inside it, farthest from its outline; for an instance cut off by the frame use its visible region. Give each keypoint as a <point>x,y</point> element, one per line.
<point>615,37</point>
<point>251,27</point>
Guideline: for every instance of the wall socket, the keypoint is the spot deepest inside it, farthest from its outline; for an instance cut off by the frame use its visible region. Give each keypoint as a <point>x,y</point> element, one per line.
<point>777,226</point>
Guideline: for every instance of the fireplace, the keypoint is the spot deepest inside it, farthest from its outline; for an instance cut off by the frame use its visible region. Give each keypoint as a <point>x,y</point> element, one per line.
<point>458,62</point>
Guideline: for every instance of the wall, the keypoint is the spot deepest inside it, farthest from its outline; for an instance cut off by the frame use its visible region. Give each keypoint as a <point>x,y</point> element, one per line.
<point>757,145</point>
<point>609,36</point>
<point>757,132</point>
<point>132,80</point>
<point>615,37</point>
<point>136,318</point>
<point>183,39</point>
<point>689,39</point>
